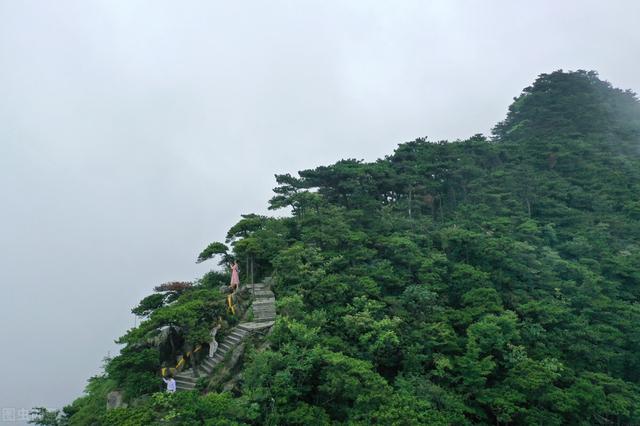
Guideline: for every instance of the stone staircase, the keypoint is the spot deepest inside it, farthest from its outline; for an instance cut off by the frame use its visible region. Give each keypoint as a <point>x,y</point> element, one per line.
<point>264,315</point>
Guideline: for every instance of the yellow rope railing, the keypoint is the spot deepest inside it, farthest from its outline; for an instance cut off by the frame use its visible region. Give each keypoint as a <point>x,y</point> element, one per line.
<point>181,362</point>
<point>230,305</point>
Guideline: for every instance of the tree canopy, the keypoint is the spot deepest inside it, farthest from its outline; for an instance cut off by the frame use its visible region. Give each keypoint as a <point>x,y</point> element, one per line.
<point>482,281</point>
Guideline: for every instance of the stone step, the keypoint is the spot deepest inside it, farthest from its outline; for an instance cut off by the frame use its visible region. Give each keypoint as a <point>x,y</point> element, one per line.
<point>259,290</point>
<point>184,387</point>
<point>220,354</point>
<point>227,346</point>
<point>264,300</point>
<point>265,319</point>
<point>209,363</point>
<point>208,366</point>
<point>267,302</point>
<point>255,325</point>
<point>182,377</point>
<point>264,308</point>
<point>184,384</point>
<point>237,332</point>
<point>232,339</point>
<point>223,348</point>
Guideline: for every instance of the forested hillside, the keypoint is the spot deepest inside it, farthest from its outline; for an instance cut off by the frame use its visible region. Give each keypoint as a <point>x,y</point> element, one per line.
<point>483,281</point>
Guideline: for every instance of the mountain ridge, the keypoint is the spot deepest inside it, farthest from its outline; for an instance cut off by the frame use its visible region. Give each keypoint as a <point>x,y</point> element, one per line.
<point>485,281</point>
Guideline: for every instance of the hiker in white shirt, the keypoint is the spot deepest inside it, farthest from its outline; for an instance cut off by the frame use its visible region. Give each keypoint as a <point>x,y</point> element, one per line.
<point>171,384</point>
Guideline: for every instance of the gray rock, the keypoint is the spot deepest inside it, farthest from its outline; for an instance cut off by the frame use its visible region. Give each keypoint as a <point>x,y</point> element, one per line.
<point>114,400</point>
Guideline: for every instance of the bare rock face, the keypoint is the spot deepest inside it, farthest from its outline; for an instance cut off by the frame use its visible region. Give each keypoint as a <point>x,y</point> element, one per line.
<point>114,400</point>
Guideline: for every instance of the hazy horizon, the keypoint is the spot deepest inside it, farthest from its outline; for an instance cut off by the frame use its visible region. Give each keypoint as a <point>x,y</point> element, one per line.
<point>135,133</point>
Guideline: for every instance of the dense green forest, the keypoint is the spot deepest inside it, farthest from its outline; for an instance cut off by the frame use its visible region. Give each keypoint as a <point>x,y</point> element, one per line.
<point>482,281</point>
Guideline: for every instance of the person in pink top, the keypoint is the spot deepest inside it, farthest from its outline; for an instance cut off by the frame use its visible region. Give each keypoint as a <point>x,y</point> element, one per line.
<point>235,277</point>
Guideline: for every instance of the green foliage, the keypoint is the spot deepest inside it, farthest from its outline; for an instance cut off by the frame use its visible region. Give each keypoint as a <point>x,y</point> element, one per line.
<point>135,370</point>
<point>89,408</point>
<point>44,417</point>
<point>128,417</point>
<point>194,311</point>
<point>472,282</point>
<point>211,250</point>
<point>149,304</point>
<point>184,409</point>
<point>213,280</point>
<point>337,385</point>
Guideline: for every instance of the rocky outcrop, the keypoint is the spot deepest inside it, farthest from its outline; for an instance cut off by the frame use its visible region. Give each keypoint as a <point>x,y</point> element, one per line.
<point>115,400</point>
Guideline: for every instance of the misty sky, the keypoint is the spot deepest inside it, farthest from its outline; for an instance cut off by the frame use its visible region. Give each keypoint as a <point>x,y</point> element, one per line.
<point>133,133</point>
